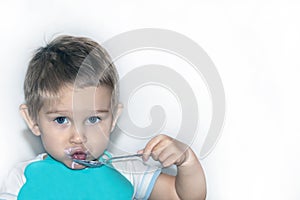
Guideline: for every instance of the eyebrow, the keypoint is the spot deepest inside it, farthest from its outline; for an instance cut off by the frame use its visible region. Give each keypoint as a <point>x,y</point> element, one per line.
<point>68,112</point>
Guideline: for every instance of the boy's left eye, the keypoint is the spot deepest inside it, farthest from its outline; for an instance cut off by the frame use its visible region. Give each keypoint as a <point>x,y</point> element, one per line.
<point>93,120</point>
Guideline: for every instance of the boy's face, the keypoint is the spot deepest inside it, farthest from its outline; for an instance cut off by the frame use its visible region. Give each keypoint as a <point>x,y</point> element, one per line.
<point>77,125</point>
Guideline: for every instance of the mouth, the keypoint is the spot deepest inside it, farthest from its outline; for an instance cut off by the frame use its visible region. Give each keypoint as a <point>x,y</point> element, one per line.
<point>77,153</point>
<point>80,155</point>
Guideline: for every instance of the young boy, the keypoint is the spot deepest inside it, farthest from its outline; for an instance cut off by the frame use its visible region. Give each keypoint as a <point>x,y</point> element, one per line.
<point>71,102</point>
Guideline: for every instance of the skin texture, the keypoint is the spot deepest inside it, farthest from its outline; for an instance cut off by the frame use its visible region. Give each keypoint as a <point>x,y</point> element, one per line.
<point>189,183</point>
<point>81,120</point>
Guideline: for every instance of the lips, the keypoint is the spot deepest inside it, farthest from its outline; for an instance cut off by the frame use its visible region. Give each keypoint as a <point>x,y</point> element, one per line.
<point>80,155</point>
<point>76,153</point>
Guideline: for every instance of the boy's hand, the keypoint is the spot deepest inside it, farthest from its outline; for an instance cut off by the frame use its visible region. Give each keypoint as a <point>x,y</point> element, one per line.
<point>189,182</point>
<point>166,150</point>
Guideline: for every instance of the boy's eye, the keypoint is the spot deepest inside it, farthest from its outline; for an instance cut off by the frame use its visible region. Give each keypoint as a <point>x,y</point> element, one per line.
<point>61,120</point>
<point>93,120</point>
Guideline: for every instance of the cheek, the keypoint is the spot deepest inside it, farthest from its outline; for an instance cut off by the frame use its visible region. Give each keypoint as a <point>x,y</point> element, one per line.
<point>52,141</point>
<point>48,143</point>
<point>103,129</point>
<point>98,138</point>
<point>98,135</point>
<point>97,145</point>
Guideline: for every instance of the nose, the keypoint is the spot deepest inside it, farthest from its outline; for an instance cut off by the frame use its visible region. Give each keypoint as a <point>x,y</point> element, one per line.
<point>78,136</point>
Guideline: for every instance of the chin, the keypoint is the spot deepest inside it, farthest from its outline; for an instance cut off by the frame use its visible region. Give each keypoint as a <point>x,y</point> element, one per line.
<point>75,166</point>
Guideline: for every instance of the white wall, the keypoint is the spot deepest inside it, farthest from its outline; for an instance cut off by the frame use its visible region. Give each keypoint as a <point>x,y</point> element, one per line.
<point>254,45</point>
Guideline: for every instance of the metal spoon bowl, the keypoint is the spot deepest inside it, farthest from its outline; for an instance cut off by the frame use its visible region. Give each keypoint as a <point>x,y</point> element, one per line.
<point>97,163</point>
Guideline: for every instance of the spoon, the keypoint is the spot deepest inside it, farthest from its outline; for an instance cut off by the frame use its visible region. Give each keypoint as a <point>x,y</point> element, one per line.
<point>97,163</point>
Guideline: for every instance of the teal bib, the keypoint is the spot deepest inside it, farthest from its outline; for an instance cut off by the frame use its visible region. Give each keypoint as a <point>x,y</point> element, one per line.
<point>50,179</point>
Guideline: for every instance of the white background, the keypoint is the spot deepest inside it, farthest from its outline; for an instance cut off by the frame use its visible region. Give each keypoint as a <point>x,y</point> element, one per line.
<point>254,45</point>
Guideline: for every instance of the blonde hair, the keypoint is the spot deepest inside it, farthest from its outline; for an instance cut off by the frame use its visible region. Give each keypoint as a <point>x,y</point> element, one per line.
<point>67,60</point>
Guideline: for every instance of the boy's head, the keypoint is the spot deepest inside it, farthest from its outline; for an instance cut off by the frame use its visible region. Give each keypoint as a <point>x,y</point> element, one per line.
<point>67,60</point>
<point>71,96</point>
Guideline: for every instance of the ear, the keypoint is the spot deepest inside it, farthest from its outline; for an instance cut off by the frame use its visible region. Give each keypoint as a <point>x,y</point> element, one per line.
<point>117,113</point>
<point>30,122</point>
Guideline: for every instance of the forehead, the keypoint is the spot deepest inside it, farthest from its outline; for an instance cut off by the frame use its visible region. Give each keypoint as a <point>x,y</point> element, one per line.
<point>88,98</point>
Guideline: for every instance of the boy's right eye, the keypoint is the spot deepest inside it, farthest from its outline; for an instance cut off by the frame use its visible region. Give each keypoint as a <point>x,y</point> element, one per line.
<point>61,120</point>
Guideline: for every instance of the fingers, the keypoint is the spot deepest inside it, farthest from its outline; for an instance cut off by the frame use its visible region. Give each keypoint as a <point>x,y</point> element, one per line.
<point>164,149</point>
<point>153,148</point>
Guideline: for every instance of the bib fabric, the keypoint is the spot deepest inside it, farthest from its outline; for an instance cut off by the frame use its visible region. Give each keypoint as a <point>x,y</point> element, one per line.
<point>50,179</point>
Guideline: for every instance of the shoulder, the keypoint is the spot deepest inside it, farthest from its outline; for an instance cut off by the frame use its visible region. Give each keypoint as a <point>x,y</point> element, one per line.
<point>20,167</point>
<point>16,179</point>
